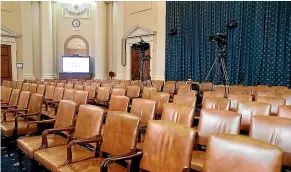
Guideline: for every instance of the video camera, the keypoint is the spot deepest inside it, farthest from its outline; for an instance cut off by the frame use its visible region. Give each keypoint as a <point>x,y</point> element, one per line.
<point>220,38</point>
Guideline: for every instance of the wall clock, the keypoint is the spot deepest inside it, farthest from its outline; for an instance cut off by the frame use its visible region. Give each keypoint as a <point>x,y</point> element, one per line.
<point>76,23</point>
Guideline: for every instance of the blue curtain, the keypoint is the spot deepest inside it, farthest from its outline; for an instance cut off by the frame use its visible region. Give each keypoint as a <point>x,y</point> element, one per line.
<point>259,50</point>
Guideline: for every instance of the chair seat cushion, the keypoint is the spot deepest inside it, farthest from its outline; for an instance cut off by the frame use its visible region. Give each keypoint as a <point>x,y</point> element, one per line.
<point>31,144</point>
<point>55,157</point>
<point>90,165</point>
<point>8,127</point>
<point>197,160</point>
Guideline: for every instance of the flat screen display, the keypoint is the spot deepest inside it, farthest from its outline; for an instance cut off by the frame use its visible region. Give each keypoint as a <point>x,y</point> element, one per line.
<point>75,64</point>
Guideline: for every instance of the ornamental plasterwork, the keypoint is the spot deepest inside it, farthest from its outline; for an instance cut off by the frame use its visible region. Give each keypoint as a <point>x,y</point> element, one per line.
<point>82,10</point>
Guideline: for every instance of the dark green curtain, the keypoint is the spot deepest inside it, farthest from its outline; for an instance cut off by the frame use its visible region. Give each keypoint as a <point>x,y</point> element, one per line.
<point>258,50</point>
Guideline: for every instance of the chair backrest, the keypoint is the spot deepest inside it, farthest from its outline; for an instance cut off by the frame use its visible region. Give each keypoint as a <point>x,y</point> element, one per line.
<point>121,85</point>
<point>241,90</point>
<point>8,84</point>
<point>118,103</point>
<point>69,86</point>
<point>160,98</point>
<point>217,121</point>
<point>96,84</point>
<point>284,111</point>
<point>274,101</point>
<point>241,153</point>
<point>14,97</point>
<point>147,91</point>
<point>120,127</point>
<point>279,88</point>
<point>80,97</point>
<point>34,105</point>
<point>179,113</point>
<point>158,84</point>
<point>40,89</point>
<point>133,91</point>
<point>19,85</point>
<point>6,93</point>
<point>236,98</point>
<point>207,94</point>
<point>135,82</point>
<point>186,100</point>
<point>274,130</point>
<point>144,109</point>
<point>183,86</point>
<point>79,87</point>
<point>89,122</point>
<point>170,87</point>
<point>25,86</point>
<point>216,103</point>
<point>49,92</point>
<point>86,84</point>
<point>58,93</point>
<point>183,92</point>
<point>259,92</point>
<point>4,82</point>
<point>23,100</point>
<point>249,109</point>
<point>208,86</point>
<point>65,114</point>
<point>69,94</point>
<point>33,88</point>
<point>263,86</point>
<point>60,84</point>
<point>103,93</point>
<point>13,84</point>
<point>91,91</point>
<point>286,96</point>
<point>167,147</point>
<point>118,92</point>
<point>103,84</point>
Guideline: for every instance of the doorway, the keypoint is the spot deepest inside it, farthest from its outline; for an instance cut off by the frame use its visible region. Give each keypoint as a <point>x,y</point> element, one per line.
<point>135,56</point>
<point>6,64</point>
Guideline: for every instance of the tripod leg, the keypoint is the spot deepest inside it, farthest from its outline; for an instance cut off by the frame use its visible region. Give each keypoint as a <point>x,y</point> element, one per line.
<point>136,69</point>
<point>226,79</point>
<point>208,74</point>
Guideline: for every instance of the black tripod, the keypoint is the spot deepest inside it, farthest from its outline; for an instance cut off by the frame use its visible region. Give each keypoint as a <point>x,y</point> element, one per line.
<point>144,59</point>
<point>221,71</point>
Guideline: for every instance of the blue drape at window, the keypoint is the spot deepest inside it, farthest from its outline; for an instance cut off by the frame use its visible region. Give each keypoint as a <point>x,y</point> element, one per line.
<point>259,50</point>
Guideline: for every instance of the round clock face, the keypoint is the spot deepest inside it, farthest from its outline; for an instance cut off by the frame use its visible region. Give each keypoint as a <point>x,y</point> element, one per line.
<point>76,23</point>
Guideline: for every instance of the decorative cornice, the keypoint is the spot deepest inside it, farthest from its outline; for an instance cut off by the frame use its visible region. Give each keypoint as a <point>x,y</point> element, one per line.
<point>144,32</point>
<point>7,32</point>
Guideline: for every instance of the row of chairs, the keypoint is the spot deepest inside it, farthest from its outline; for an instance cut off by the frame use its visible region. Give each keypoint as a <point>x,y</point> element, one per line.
<point>121,127</point>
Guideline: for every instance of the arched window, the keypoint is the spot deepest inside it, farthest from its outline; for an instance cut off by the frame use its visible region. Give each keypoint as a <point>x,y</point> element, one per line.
<point>76,45</point>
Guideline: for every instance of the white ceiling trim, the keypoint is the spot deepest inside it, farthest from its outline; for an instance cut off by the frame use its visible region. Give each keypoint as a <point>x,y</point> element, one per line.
<point>8,33</point>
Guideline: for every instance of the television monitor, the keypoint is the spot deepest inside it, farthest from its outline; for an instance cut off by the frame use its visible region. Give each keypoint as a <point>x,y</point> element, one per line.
<point>76,64</point>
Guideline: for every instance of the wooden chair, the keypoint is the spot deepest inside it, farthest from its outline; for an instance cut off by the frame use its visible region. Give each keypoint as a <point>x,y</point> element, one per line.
<point>274,101</point>
<point>216,103</point>
<point>147,91</point>
<point>160,98</point>
<point>33,88</point>
<point>6,93</point>
<point>40,89</point>
<point>236,98</point>
<point>185,100</point>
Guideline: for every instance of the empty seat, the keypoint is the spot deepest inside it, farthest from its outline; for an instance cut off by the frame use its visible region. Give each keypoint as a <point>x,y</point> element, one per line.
<point>19,85</point>
<point>226,152</point>
<point>40,89</point>
<point>81,98</point>
<point>236,98</point>
<point>103,95</point>
<point>144,109</point>
<point>179,113</point>
<point>6,93</point>
<point>206,86</point>
<point>213,121</point>
<point>274,130</point>
<point>186,100</point>
<point>118,103</point>
<point>284,111</point>
<point>241,90</point>
<point>60,84</point>
<point>170,88</point>
<point>87,128</point>
<point>249,109</point>
<point>79,87</point>
<point>286,96</point>
<point>216,103</point>
<point>158,84</point>
<point>147,91</point>
<point>57,96</point>
<point>274,101</point>
<point>91,93</point>
<point>192,93</point>
<point>69,86</point>
<point>118,92</point>
<point>213,94</point>
<point>64,119</point>
<point>160,98</point>
<point>133,91</point>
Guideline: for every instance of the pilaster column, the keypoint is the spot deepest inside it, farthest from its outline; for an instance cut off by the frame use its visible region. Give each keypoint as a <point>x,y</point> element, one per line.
<point>26,29</point>
<point>100,40</point>
<point>161,40</point>
<point>47,41</point>
<point>35,5</point>
<point>118,26</point>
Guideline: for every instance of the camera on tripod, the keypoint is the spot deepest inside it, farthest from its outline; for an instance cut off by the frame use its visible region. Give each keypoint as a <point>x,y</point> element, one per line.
<point>143,46</point>
<point>219,38</point>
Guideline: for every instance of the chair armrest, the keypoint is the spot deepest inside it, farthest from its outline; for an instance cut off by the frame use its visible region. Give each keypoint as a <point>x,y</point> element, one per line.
<point>44,143</point>
<point>4,102</point>
<point>94,139</point>
<point>37,122</point>
<point>24,115</point>
<point>105,164</point>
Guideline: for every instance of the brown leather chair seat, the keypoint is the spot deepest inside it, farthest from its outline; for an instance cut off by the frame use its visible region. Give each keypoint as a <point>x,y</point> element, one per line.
<point>30,144</point>
<point>55,157</point>
<point>8,127</point>
<point>91,165</point>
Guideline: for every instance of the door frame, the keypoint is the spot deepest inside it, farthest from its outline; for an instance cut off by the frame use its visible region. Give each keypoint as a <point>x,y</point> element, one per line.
<point>12,44</point>
<point>9,38</point>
